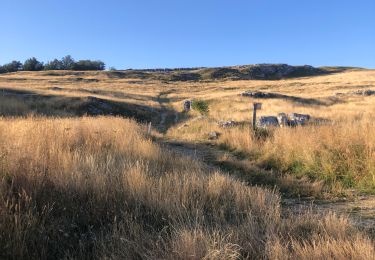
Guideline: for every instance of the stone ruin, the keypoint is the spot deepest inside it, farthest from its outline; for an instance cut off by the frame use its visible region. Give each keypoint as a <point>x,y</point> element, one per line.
<point>283,120</point>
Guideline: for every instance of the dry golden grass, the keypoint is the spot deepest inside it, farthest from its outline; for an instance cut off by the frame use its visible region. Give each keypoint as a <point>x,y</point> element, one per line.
<point>340,155</point>
<point>99,188</point>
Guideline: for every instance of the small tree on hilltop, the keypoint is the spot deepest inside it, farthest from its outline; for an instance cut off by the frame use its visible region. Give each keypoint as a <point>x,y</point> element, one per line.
<point>201,106</point>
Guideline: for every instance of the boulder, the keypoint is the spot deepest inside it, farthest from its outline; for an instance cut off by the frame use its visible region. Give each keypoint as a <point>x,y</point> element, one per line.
<point>298,119</point>
<point>268,121</point>
<point>283,120</point>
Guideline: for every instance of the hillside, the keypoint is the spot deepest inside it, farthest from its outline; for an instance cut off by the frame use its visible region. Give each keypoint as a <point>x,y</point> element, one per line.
<point>244,72</point>
<point>79,179</point>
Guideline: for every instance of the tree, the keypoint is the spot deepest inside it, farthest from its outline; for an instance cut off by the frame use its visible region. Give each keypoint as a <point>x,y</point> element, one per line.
<point>11,67</point>
<point>32,64</point>
<point>67,63</point>
<point>89,65</point>
<point>54,65</point>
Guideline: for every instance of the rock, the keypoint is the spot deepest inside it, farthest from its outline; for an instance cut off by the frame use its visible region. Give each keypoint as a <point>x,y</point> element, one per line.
<point>268,121</point>
<point>187,105</point>
<point>283,120</point>
<point>227,124</point>
<point>298,119</point>
<point>213,135</point>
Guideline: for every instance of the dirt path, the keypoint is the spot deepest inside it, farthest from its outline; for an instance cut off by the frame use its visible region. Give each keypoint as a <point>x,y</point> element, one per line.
<point>168,116</point>
<point>360,211</point>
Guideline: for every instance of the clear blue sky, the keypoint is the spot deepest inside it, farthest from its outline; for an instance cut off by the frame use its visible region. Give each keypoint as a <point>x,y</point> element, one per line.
<point>177,33</point>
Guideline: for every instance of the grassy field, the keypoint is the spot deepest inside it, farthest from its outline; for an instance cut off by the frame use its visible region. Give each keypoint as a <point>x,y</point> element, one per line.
<point>99,188</point>
<point>337,156</point>
<point>76,186</point>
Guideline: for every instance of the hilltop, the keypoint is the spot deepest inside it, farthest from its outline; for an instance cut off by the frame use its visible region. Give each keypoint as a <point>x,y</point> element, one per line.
<point>241,72</point>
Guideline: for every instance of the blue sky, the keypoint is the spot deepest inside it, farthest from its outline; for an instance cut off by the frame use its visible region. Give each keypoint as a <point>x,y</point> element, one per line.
<point>167,33</point>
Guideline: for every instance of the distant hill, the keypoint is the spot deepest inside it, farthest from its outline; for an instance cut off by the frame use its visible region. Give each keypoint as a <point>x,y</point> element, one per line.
<point>244,72</point>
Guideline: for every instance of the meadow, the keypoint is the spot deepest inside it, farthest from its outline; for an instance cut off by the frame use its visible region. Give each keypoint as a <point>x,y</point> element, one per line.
<point>80,181</point>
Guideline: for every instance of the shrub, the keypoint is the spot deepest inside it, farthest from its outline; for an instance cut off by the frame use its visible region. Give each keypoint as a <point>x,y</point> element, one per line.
<point>201,106</point>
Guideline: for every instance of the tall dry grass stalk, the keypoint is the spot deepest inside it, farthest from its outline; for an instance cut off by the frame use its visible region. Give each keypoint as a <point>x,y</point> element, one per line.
<point>98,188</point>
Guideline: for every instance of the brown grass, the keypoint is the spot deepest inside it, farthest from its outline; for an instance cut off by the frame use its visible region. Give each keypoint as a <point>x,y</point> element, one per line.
<point>99,188</point>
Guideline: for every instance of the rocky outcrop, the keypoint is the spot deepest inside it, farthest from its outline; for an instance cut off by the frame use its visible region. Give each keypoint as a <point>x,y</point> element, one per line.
<point>267,71</point>
<point>258,94</point>
<point>283,120</point>
<point>360,92</point>
<point>227,124</point>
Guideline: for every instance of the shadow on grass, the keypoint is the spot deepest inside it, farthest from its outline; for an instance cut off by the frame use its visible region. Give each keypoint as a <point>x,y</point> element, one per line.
<point>25,102</point>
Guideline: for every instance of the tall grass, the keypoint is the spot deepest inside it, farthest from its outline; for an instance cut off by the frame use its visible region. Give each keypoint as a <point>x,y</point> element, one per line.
<point>98,188</point>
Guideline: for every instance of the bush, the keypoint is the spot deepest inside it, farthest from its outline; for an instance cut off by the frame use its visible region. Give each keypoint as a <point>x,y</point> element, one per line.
<point>201,106</point>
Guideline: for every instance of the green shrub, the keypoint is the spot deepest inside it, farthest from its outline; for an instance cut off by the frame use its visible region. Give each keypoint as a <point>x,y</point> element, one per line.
<point>200,106</point>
